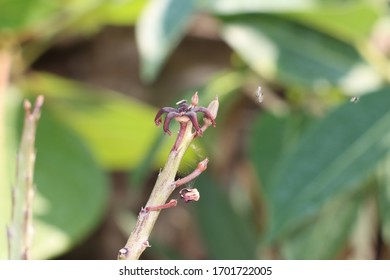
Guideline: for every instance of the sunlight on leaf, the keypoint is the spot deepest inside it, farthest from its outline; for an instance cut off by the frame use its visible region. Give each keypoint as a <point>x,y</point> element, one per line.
<point>72,189</point>
<point>8,163</point>
<point>288,52</point>
<point>345,22</point>
<point>159,30</point>
<point>118,129</point>
<point>252,6</point>
<point>18,14</point>
<point>117,13</point>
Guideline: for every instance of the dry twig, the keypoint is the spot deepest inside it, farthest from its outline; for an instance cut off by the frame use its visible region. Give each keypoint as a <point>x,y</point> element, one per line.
<point>20,231</point>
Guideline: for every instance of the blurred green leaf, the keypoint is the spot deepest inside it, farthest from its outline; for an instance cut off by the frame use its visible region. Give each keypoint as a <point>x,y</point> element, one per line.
<point>72,189</point>
<point>160,28</point>
<point>325,236</point>
<point>18,14</point>
<point>268,144</point>
<point>5,201</point>
<point>348,22</point>
<point>222,85</point>
<point>11,104</point>
<point>139,174</point>
<point>288,52</point>
<point>331,158</point>
<point>109,13</point>
<point>163,252</point>
<point>384,198</point>
<point>119,130</point>
<point>225,233</point>
<point>272,137</point>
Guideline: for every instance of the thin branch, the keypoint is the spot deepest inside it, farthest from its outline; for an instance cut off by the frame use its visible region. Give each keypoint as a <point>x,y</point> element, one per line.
<point>20,231</point>
<point>165,185</point>
<point>170,204</point>
<point>202,166</point>
<point>161,192</point>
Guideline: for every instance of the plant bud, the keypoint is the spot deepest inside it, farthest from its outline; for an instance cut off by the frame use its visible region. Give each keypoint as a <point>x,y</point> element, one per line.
<point>189,194</point>
<point>195,99</point>
<point>213,107</point>
<point>202,166</point>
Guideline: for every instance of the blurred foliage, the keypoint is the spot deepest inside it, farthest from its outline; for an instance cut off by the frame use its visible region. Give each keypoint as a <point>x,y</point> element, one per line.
<point>93,113</point>
<point>72,189</point>
<point>312,158</point>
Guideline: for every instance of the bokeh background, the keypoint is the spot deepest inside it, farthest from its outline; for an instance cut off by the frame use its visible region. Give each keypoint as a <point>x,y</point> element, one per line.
<point>302,175</point>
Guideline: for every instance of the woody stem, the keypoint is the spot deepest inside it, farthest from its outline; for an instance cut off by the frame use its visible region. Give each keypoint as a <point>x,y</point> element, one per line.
<point>163,188</point>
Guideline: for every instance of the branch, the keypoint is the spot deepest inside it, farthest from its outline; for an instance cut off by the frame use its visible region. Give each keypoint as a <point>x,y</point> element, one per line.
<point>20,231</point>
<point>163,188</point>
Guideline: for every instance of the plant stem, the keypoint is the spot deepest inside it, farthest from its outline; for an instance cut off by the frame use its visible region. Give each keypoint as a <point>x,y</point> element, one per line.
<point>165,184</point>
<point>138,240</point>
<point>20,230</point>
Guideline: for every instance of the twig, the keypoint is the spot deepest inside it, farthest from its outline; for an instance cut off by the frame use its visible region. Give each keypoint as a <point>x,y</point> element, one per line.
<point>165,185</point>
<point>202,166</point>
<point>20,231</point>
<point>170,204</point>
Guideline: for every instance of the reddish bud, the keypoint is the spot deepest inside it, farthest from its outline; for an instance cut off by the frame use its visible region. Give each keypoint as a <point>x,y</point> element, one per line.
<point>202,166</point>
<point>27,106</point>
<point>195,99</point>
<point>213,107</point>
<point>39,102</point>
<point>146,244</point>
